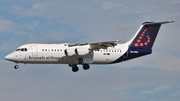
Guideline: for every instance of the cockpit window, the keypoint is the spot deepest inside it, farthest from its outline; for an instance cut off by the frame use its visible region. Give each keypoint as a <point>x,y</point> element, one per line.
<point>18,49</point>
<point>21,49</point>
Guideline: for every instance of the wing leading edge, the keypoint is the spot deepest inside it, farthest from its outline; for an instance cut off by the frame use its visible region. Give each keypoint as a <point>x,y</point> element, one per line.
<point>97,45</point>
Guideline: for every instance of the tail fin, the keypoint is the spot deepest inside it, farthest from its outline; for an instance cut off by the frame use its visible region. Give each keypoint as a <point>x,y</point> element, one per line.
<point>146,34</point>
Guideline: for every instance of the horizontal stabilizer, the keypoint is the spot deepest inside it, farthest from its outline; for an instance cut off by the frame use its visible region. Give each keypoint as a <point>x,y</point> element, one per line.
<point>156,23</point>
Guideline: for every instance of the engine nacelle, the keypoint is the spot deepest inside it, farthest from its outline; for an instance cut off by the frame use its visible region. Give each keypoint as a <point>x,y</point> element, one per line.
<point>77,51</point>
<point>82,51</point>
<point>70,52</point>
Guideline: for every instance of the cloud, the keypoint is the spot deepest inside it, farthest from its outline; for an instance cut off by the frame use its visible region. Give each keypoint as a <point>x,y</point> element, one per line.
<point>107,5</point>
<point>6,25</point>
<point>49,9</point>
<point>32,25</point>
<point>176,95</point>
<point>158,60</point>
<point>57,82</point>
<point>70,16</point>
<point>157,90</point>
<point>92,20</point>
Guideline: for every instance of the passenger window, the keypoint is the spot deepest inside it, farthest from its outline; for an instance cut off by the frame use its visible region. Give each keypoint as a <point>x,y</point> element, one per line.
<point>45,49</point>
<point>54,49</point>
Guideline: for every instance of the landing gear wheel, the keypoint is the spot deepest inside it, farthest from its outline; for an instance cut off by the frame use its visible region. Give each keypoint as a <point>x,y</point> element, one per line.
<point>16,67</point>
<point>74,68</point>
<point>86,66</point>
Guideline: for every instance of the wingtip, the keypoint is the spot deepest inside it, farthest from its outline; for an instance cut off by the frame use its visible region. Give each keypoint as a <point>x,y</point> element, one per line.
<point>170,21</point>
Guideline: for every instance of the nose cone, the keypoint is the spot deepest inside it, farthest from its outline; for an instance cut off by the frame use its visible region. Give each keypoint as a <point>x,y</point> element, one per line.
<point>11,57</point>
<point>8,57</point>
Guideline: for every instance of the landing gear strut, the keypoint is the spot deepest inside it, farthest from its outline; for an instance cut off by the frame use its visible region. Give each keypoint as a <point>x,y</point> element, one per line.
<point>16,67</point>
<point>85,65</point>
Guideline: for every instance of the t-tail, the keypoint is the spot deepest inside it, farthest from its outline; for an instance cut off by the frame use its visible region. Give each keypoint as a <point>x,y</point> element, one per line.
<point>146,34</point>
<point>142,42</point>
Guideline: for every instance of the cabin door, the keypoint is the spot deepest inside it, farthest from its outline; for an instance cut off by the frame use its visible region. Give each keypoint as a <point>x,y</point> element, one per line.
<point>34,50</point>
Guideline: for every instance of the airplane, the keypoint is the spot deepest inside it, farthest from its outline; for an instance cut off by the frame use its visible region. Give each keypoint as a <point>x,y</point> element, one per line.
<point>108,52</point>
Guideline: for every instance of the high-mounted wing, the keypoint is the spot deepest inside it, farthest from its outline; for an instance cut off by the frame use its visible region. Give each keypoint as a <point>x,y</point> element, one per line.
<point>103,45</point>
<point>97,45</point>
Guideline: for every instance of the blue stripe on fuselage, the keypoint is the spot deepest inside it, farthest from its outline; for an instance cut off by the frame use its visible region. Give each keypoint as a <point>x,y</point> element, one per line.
<point>133,52</point>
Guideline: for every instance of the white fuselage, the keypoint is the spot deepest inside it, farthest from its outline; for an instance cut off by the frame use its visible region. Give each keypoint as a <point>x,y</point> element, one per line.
<point>55,54</point>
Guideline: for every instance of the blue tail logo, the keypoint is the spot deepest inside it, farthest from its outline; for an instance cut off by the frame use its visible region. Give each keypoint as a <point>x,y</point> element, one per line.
<point>142,42</point>
<point>146,36</point>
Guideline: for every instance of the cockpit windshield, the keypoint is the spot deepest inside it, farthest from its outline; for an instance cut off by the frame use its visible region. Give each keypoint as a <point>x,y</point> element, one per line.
<point>18,49</point>
<point>21,49</point>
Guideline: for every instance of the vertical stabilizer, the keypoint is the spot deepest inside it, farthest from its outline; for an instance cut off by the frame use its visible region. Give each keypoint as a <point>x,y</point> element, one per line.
<point>146,34</point>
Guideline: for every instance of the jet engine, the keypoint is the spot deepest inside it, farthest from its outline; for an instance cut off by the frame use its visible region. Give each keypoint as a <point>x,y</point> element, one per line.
<point>77,51</point>
<point>82,51</point>
<point>70,52</point>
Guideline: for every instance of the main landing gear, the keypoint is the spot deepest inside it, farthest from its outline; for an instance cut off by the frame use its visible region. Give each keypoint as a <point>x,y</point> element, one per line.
<point>75,67</point>
<point>86,66</point>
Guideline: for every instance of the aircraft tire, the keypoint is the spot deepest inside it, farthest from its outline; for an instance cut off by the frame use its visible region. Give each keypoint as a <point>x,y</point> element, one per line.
<point>86,66</point>
<point>16,67</point>
<point>75,69</point>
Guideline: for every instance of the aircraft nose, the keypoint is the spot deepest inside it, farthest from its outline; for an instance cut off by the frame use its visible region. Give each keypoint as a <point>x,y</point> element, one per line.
<point>11,57</point>
<point>8,57</point>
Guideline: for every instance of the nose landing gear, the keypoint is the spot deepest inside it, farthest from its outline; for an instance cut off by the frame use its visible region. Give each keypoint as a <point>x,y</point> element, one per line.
<point>16,67</point>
